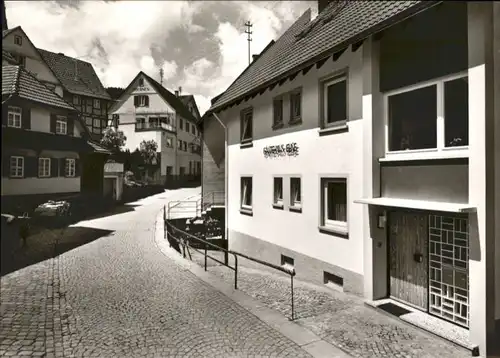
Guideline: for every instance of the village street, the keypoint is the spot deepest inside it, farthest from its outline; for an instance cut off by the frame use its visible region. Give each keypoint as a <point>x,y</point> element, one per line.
<point>120,296</point>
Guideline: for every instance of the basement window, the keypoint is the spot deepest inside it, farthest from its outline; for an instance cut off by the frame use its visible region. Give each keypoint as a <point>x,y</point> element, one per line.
<point>288,261</point>
<point>333,280</point>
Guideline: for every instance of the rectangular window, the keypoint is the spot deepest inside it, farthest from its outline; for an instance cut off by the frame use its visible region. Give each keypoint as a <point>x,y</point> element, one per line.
<point>88,121</point>
<point>433,116</point>
<point>89,105</point>
<point>76,99</point>
<point>14,117</point>
<point>193,130</point>
<point>181,124</point>
<point>295,107</point>
<point>97,103</point>
<point>179,144</point>
<point>246,124</point>
<point>141,82</point>
<point>295,194</point>
<point>20,59</point>
<point>16,168</point>
<point>278,192</point>
<point>187,127</point>
<point>61,125</point>
<point>44,167</point>
<point>335,102</point>
<point>185,146</point>
<point>286,260</point>
<point>277,112</point>
<point>334,204</point>
<point>246,193</point>
<point>168,142</point>
<point>18,40</point>
<point>70,168</point>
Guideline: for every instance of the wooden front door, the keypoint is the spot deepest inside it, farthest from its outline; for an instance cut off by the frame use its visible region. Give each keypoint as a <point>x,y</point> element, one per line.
<point>408,238</point>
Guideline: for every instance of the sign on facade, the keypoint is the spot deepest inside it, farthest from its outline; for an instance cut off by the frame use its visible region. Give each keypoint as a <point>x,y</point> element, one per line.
<point>282,150</point>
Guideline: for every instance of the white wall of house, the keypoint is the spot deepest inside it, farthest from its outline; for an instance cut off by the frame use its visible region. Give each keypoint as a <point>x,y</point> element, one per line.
<point>319,156</point>
<point>40,121</point>
<point>34,62</point>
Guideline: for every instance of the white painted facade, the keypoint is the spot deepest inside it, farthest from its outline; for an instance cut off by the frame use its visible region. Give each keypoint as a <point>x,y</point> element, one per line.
<point>33,61</point>
<point>359,152</point>
<point>40,122</point>
<point>166,138</point>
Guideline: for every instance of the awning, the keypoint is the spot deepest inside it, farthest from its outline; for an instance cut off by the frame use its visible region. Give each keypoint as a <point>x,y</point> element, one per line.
<point>419,204</point>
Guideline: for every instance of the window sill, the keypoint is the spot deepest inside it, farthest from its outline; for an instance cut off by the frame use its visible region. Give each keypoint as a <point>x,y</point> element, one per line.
<point>278,206</point>
<point>295,209</point>
<point>247,212</point>
<point>277,126</point>
<point>295,122</point>
<point>340,128</point>
<point>425,155</point>
<point>335,231</point>
<point>246,144</point>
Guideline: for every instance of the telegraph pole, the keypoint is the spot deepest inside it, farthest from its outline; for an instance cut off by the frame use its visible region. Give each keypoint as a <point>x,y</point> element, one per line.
<point>248,31</point>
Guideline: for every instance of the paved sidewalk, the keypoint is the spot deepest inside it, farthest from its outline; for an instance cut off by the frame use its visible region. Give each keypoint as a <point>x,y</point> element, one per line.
<point>338,318</point>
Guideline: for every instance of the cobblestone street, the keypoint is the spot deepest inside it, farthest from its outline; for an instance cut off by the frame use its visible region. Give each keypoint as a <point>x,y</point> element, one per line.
<point>119,296</point>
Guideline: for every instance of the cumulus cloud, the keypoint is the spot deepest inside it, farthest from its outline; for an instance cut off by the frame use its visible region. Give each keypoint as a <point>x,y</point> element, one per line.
<point>201,45</point>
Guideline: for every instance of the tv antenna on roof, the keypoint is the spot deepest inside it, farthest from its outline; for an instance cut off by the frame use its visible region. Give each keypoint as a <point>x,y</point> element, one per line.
<point>248,31</point>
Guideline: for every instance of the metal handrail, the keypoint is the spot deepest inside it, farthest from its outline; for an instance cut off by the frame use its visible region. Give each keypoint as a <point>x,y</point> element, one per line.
<point>185,244</point>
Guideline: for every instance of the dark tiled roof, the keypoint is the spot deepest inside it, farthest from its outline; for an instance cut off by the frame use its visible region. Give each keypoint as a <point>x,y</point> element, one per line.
<point>17,81</point>
<point>8,31</point>
<point>352,22</point>
<point>77,76</point>
<point>185,98</point>
<point>8,57</point>
<point>171,98</point>
<point>97,147</point>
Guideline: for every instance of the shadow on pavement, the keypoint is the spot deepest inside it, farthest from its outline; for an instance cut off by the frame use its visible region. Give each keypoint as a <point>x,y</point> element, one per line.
<point>43,245</point>
<point>115,210</point>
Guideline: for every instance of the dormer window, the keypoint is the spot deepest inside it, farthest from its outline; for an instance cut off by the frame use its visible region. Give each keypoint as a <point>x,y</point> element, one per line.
<point>18,40</point>
<point>14,117</point>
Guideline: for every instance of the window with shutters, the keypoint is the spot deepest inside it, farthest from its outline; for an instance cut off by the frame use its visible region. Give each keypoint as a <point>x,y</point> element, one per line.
<point>141,101</point>
<point>44,167</point>
<point>70,168</point>
<point>16,168</point>
<point>14,117</point>
<point>61,125</point>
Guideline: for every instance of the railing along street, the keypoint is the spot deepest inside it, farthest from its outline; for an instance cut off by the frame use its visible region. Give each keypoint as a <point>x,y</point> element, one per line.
<point>182,238</point>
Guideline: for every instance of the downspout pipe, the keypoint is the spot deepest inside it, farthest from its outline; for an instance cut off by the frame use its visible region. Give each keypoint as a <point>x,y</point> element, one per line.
<point>226,171</point>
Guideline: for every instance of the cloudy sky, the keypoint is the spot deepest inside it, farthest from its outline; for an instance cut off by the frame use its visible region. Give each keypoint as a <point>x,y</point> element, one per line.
<point>201,45</point>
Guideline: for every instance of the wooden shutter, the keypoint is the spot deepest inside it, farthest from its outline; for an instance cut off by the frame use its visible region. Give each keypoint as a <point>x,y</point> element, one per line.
<point>5,114</point>
<point>5,166</point>
<point>26,118</point>
<point>77,168</point>
<point>54,167</point>
<point>30,167</point>
<point>136,101</point>
<point>62,167</point>
<point>71,125</point>
<point>147,101</point>
<point>53,120</point>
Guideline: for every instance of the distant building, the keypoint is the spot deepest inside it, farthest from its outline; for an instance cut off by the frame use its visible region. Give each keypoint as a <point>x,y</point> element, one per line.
<point>148,111</point>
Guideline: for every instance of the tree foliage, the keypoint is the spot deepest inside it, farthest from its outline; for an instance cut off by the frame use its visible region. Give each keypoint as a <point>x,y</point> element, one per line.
<point>113,139</point>
<point>148,149</point>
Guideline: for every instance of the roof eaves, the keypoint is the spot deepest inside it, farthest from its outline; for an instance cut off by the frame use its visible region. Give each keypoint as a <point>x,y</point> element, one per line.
<point>125,92</point>
<point>391,21</point>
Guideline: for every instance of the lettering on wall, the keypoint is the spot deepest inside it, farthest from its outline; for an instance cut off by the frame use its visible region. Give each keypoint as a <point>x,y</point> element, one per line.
<point>282,150</point>
<point>142,89</point>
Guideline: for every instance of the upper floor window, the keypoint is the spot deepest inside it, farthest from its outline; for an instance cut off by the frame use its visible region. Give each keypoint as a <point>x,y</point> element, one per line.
<point>246,125</point>
<point>16,167</point>
<point>179,144</point>
<point>21,60</point>
<point>88,109</point>
<point>97,103</point>
<point>433,115</point>
<point>18,40</point>
<point>76,99</point>
<point>14,117</point>
<point>185,146</point>
<point>141,82</point>
<point>187,127</point>
<point>335,102</point>
<point>61,125</point>
<point>141,101</point>
<point>193,130</point>
<point>168,142</point>
<point>277,112</point>
<point>181,124</point>
<point>295,106</point>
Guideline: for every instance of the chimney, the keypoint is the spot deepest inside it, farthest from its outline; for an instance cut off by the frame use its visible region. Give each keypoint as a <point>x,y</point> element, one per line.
<point>176,93</point>
<point>322,4</point>
<point>255,57</point>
